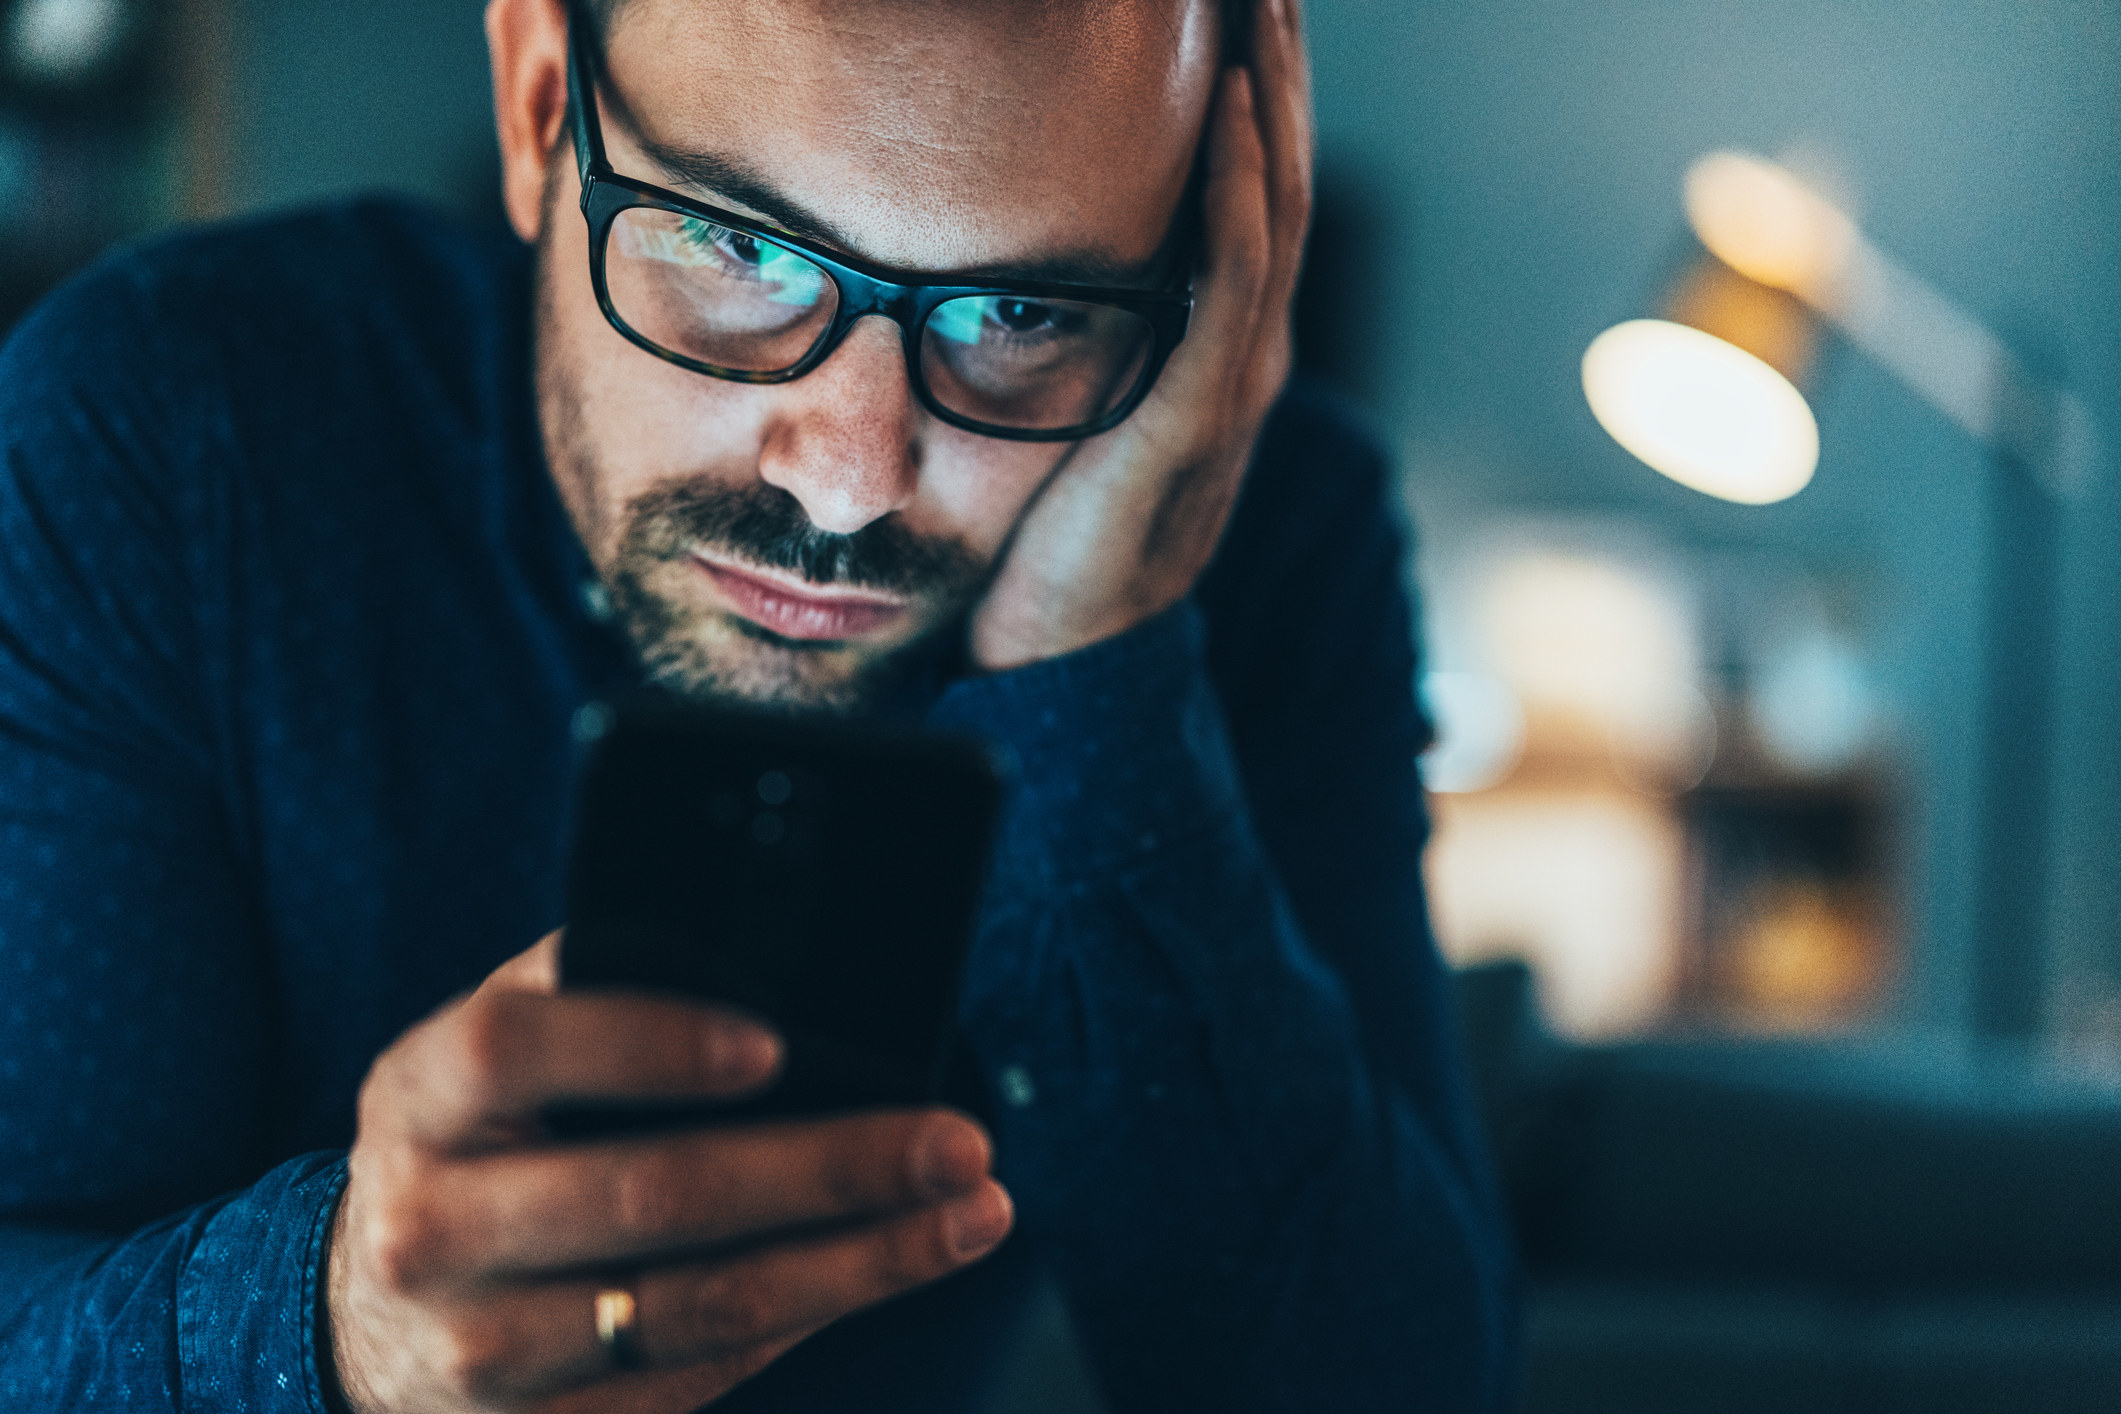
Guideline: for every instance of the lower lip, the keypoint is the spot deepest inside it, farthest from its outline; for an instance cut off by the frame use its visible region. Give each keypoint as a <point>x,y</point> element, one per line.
<point>802,616</point>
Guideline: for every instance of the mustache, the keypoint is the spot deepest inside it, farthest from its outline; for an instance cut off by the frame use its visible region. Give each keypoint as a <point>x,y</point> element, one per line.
<point>768,526</point>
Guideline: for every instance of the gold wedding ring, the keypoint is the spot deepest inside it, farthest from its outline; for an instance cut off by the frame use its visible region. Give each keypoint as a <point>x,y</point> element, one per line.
<point>616,1310</point>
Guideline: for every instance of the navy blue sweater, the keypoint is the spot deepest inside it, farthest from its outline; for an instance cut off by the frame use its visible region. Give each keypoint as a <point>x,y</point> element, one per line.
<point>292,625</point>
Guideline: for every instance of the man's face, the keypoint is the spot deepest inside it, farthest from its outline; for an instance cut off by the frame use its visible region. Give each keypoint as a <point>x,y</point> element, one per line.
<point>795,543</point>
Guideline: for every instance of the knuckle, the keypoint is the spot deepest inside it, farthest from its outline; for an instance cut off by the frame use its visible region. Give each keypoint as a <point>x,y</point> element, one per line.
<point>649,1195</point>
<point>382,1091</point>
<point>848,1180</point>
<point>698,1046</point>
<point>907,1254</point>
<point>404,1239</point>
<point>729,1311</point>
<point>871,1164</point>
<point>372,1107</point>
<point>474,1359</point>
<point>484,1041</point>
<point>920,1251</point>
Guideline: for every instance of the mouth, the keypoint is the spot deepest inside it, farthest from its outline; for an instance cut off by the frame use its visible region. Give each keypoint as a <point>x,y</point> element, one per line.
<point>796,609</point>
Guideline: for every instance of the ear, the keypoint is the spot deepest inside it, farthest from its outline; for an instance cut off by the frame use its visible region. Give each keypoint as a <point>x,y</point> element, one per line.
<point>527,41</point>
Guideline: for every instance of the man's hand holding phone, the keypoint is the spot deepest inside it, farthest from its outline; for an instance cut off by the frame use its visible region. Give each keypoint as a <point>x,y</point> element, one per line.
<point>469,1252</point>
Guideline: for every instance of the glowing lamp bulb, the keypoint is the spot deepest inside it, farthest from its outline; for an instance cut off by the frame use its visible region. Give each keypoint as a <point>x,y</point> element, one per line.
<point>1762,222</point>
<point>1705,413</point>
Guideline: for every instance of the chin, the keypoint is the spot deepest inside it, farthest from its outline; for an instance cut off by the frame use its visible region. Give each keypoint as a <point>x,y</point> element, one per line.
<point>722,660</point>
<point>703,650</point>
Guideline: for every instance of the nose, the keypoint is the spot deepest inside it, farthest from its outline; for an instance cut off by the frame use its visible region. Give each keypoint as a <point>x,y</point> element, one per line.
<point>840,439</point>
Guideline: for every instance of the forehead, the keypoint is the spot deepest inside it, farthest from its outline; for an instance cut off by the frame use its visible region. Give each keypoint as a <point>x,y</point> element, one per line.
<point>936,134</point>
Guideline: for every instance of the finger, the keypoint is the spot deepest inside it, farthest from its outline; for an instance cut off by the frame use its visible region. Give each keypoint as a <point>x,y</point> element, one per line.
<point>1283,101</point>
<point>505,1353</point>
<point>662,1391</point>
<point>539,1337</point>
<point>782,1290</point>
<point>1289,79</point>
<point>1237,247</point>
<point>483,1071</point>
<point>543,1210</point>
<point>535,969</point>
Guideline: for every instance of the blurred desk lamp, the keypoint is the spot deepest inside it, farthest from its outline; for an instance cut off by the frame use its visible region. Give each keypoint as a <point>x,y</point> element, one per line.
<point>1709,393</point>
<point>1709,396</point>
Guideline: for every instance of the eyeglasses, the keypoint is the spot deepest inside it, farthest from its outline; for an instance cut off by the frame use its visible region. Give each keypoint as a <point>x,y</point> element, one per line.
<point>732,298</point>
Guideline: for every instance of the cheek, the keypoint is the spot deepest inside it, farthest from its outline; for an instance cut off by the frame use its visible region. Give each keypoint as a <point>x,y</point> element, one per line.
<point>635,421</point>
<point>649,422</point>
<point>974,489</point>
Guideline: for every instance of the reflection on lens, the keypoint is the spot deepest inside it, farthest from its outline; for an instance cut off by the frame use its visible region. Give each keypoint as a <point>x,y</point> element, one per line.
<point>1034,364</point>
<point>721,296</point>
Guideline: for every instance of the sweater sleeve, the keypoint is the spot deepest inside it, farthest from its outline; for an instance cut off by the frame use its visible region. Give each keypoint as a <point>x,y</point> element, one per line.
<point>136,1026</point>
<point>1232,1108</point>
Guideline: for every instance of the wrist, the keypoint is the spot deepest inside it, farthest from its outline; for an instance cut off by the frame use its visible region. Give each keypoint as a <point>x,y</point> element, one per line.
<point>1119,749</point>
<point>1006,637</point>
<point>337,1368</point>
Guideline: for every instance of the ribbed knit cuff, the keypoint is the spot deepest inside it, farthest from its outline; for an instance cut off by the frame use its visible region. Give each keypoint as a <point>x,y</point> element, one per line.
<point>1119,751</point>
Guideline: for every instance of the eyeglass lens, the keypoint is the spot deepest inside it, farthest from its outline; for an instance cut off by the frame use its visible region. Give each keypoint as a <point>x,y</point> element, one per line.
<point>1032,364</point>
<point>719,296</point>
<point>739,302</point>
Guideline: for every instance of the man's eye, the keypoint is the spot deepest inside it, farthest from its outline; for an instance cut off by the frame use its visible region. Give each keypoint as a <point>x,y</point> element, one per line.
<point>695,242</point>
<point>729,260</point>
<point>1020,316</point>
<point>708,242</point>
<point>968,321</point>
<point>733,246</point>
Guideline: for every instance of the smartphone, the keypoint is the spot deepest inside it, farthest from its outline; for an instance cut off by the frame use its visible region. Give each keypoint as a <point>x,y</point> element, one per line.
<point>822,878</point>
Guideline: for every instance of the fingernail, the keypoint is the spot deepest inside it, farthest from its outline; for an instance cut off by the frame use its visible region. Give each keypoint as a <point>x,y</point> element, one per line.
<point>949,1157</point>
<point>747,1053</point>
<point>976,1222</point>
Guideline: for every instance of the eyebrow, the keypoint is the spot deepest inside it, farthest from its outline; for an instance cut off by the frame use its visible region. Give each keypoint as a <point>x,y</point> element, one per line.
<point>742,185</point>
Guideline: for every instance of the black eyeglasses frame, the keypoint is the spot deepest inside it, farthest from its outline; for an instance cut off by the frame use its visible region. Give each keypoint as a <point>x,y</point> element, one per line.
<point>863,289</point>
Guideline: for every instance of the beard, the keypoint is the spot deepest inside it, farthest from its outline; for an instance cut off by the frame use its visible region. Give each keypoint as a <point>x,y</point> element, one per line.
<point>702,651</point>
<point>712,655</point>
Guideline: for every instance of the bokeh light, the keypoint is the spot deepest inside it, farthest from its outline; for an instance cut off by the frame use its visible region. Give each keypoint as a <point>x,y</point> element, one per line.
<point>1479,731</point>
<point>1810,705</point>
<point>1600,654</point>
<point>1703,412</point>
<point>1760,220</point>
<point>64,41</point>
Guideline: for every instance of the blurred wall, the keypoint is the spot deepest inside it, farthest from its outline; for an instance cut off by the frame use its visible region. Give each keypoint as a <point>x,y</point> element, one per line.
<point>1515,167</point>
<point>360,94</point>
<point>1524,160</point>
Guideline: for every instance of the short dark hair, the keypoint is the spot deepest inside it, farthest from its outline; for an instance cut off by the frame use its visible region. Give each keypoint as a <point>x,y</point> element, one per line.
<point>1236,23</point>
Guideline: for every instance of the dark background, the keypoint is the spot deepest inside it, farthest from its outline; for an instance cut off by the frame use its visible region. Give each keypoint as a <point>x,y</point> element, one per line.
<point>1876,1187</point>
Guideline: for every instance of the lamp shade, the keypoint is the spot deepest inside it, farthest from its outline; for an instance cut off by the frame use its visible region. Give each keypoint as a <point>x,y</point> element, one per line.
<point>1708,393</point>
<point>1703,411</point>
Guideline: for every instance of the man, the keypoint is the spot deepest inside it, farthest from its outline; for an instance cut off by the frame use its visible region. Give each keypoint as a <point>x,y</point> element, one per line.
<point>318,532</point>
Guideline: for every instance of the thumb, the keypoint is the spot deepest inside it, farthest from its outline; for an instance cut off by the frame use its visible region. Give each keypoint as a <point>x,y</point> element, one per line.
<point>535,969</point>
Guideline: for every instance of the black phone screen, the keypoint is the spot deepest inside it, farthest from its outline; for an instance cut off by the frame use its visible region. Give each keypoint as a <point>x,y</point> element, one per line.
<point>823,878</point>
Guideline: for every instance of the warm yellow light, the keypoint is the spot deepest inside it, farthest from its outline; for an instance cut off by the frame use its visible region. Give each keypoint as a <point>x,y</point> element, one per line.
<point>1762,222</point>
<point>1592,639</point>
<point>1705,413</point>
